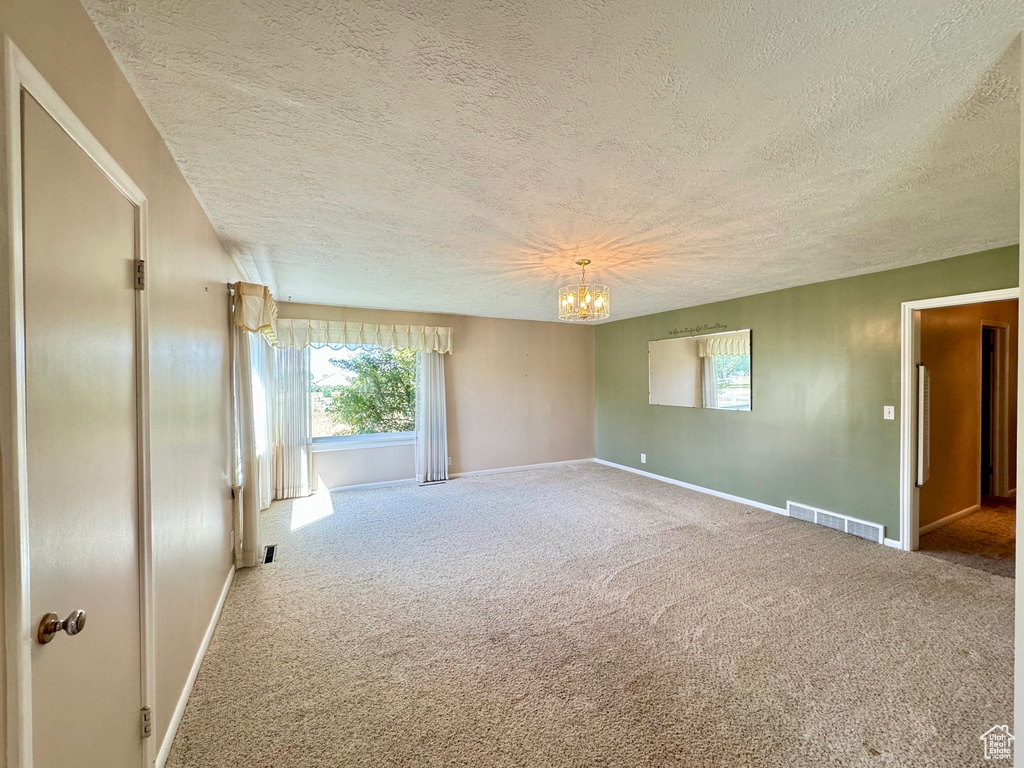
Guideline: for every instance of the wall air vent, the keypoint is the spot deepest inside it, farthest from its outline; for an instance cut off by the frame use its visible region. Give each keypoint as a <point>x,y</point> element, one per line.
<point>835,522</point>
<point>801,512</point>
<point>861,528</point>
<point>868,531</point>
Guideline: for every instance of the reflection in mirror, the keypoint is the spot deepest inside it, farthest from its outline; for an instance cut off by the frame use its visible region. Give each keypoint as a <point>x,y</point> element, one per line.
<point>711,371</point>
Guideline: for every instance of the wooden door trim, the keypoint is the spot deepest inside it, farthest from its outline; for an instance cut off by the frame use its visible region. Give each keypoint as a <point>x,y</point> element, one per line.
<point>19,75</point>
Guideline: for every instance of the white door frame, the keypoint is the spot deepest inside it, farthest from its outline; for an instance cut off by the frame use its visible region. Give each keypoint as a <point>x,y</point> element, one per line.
<point>909,339</point>
<point>19,75</point>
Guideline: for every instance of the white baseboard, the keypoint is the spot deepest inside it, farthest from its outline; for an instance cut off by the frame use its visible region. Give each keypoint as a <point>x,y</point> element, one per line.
<point>699,488</point>
<point>949,519</point>
<point>501,470</point>
<point>179,711</point>
<point>498,470</point>
<point>895,543</point>
<point>363,486</point>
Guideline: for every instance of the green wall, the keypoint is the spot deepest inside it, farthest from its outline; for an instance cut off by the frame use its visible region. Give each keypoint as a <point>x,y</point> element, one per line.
<point>825,359</point>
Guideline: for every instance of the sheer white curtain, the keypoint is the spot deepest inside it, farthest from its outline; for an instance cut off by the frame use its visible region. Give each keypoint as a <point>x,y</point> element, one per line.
<point>293,455</point>
<point>252,377</point>
<point>431,419</point>
<point>735,343</point>
<point>708,382</point>
<point>263,365</point>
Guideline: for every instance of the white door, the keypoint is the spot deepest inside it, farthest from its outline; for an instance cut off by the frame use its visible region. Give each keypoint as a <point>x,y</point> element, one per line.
<point>79,240</point>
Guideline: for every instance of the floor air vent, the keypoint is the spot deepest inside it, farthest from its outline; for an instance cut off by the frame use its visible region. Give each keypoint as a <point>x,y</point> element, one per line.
<point>269,553</point>
<point>861,528</point>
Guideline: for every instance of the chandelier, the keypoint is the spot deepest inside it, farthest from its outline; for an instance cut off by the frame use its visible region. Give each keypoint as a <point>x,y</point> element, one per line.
<point>583,302</point>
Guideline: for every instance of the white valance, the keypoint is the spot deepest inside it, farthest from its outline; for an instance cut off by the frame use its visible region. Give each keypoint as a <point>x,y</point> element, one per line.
<point>334,333</point>
<point>724,344</point>
<point>254,309</point>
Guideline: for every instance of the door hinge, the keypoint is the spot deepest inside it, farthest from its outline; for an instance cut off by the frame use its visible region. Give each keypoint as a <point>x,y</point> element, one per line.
<point>140,275</point>
<point>146,720</point>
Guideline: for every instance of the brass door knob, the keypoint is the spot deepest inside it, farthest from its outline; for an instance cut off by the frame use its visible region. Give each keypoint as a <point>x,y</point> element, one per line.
<point>51,625</point>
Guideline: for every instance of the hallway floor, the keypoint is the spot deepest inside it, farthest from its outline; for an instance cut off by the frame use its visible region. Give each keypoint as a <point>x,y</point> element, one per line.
<point>985,540</point>
<point>582,616</point>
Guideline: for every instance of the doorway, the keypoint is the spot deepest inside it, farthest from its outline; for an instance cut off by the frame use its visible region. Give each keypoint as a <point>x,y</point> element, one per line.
<point>78,575</point>
<point>959,429</point>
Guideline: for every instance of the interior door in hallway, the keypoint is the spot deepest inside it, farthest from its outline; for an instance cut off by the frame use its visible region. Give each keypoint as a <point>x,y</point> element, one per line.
<point>988,348</point>
<point>81,416</point>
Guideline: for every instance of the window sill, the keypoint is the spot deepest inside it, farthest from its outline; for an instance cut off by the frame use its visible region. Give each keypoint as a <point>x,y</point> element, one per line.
<point>358,442</point>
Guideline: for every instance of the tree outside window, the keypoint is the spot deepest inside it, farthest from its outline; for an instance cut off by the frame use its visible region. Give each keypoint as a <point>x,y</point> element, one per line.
<point>368,390</point>
<point>732,376</point>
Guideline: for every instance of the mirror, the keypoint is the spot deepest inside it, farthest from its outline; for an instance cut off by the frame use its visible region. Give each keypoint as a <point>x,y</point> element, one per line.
<point>711,371</point>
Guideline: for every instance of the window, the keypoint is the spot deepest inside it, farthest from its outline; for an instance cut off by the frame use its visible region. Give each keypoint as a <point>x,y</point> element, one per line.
<point>732,377</point>
<point>362,391</point>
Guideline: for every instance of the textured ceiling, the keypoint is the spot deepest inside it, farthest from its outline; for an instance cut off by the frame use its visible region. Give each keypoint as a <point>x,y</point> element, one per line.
<point>456,156</point>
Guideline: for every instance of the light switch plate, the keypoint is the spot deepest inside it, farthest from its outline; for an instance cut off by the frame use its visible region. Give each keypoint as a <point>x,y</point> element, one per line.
<point>889,412</point>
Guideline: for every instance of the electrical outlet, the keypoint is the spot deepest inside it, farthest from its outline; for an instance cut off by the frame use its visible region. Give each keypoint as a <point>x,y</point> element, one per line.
<point>643,458</point>
<point>889,412</point>
<point>449,461</point>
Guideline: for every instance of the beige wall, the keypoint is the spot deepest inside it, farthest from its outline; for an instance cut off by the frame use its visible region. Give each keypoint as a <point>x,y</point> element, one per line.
<point>189,364</point>
<point>358,466</point>
<point>518,391</point>
<point>951,350</point>
<point>675,373</point>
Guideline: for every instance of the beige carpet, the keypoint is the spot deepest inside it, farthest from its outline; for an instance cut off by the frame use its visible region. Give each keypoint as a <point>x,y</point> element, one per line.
<point>583,616</point>
<point>986,540</point>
